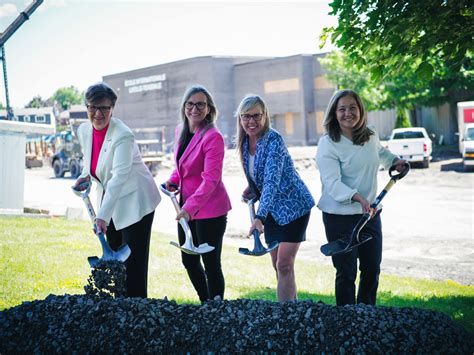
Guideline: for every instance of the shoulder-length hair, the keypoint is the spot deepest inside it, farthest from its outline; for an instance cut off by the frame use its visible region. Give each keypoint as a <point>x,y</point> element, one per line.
<point>248,103</point>
<point>361,132</point>
<point>210,118</point>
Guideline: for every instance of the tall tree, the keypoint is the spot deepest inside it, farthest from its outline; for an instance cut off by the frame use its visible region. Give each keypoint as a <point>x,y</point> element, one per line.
<point>37,102</point>
<point>67,96</point>
<point>428,42</point>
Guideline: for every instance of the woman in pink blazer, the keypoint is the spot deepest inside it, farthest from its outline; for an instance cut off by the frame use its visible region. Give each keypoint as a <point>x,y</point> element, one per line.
<point>199,155</point>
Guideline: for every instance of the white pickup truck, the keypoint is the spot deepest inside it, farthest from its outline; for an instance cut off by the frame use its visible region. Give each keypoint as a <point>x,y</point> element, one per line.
<point>412,144</point>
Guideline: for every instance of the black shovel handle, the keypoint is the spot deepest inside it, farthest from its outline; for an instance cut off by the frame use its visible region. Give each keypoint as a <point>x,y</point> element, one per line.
<point>401,174</point>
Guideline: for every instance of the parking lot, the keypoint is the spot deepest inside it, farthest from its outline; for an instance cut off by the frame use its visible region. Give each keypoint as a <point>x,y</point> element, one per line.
<point>427,217</point>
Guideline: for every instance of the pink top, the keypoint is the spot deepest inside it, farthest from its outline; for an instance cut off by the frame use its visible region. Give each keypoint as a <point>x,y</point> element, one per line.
<point>98,138</point>
<point>199,175</point>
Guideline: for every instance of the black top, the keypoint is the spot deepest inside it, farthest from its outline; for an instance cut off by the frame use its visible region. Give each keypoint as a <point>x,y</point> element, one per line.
<point>185,144</point>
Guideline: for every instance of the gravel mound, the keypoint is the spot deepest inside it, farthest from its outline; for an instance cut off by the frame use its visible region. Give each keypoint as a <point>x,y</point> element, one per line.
<point>107,279</point>
<point>82,324</point>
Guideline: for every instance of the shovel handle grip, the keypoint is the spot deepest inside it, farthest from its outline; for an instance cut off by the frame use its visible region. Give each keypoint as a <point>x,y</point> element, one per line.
<point>401,174</point>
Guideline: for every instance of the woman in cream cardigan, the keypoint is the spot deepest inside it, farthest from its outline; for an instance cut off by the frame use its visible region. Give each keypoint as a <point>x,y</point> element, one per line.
<point>127,194</point>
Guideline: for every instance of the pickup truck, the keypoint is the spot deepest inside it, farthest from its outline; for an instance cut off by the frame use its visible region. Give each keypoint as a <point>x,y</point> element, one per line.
<point>412,144</point>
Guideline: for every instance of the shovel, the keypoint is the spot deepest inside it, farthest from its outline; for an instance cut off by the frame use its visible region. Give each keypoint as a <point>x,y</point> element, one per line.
<point>258,249</point>
<point>188,246</point>
<point>346,244</point>
<point>123,252</point>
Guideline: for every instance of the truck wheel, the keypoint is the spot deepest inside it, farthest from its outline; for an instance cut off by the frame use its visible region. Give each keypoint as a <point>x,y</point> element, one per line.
<point>74,169</point>
<point>58,169</point>
<point>154,168</point>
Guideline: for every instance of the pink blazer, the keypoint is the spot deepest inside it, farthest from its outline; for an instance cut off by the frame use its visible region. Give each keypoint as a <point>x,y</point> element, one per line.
<point>199,175</point>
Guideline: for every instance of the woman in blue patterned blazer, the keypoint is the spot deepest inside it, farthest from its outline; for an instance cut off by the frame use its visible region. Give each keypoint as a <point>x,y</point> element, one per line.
<point>285,201</point>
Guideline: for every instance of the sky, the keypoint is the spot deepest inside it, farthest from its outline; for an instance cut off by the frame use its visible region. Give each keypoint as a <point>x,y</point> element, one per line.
<point>77,42</point>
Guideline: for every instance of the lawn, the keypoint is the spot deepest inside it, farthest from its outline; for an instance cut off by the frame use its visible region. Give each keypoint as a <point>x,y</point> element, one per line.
<point>42,256</point>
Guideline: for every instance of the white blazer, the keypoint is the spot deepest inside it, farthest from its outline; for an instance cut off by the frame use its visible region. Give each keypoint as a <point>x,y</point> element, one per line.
<point>126,191</point>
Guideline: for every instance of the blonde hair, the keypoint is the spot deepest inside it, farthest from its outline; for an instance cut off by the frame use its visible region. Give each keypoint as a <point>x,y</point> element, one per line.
<point>248,103</point>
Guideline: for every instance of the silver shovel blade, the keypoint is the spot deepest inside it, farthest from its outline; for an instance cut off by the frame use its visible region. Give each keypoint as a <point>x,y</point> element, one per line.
<point>121,255</point>
<point>192,250</point>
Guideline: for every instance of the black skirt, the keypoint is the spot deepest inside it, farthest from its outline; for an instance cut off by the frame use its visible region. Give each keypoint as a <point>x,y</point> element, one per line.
<point>293,232</point>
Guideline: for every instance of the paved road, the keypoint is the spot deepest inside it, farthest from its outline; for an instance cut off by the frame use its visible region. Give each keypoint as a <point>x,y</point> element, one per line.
<point>427,217</point>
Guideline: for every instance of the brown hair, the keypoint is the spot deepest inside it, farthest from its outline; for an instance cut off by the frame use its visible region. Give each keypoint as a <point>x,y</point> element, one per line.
<point>361,132</point>
<point>210,117</point>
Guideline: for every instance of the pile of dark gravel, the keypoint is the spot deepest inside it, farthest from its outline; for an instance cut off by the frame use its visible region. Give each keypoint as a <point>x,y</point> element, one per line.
<point>81,324</point>
<point>107,279</point>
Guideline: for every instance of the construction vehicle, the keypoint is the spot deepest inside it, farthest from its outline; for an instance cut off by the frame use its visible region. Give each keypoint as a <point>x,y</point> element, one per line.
<point>151,142</point>
<point>68,153</point>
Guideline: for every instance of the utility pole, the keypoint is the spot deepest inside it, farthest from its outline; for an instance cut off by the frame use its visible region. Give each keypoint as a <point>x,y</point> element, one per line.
<point>4,36</point>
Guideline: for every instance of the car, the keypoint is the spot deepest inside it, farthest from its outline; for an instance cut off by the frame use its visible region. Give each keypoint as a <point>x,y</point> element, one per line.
<point>412,144</point>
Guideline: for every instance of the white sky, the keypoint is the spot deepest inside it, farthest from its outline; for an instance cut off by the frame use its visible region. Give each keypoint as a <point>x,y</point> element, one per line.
<point>73,42</point>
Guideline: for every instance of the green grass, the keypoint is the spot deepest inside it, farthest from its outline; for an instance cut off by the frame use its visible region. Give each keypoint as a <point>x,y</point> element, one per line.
<point>39,257</point>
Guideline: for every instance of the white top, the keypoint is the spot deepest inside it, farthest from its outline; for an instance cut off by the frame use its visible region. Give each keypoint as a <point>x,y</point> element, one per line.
<point>251,166</point>
<point>346,169</point>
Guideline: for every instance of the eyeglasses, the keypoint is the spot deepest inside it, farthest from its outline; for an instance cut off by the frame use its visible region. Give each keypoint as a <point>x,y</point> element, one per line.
<point>104,109</point>
<point>246,117</point>
<point>200,105</point>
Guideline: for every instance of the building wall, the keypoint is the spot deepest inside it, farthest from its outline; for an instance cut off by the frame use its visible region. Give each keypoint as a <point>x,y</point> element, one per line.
<point>438,123</point>
<point>295,89</point>
<point>283,83</point>
<point>151,97</point>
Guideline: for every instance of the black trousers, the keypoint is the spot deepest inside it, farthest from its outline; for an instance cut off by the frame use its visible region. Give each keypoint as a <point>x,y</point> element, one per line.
<point>369,255</point>
<point>137,236</point>
<point>208,281</point>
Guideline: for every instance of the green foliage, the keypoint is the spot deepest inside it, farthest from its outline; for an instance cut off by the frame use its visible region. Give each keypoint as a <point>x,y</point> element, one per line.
<point>1,106</point>
<point>37,102</point>
<point>402,121</point>
<point>422,51</point>
<point>39,257</point>
<point>67,96</point>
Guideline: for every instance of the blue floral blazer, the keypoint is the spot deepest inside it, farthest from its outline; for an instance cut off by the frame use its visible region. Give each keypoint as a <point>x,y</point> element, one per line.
<point>282,191</point>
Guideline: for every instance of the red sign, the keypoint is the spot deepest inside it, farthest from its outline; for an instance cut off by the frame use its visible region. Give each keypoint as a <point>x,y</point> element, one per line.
<point>469,115</point>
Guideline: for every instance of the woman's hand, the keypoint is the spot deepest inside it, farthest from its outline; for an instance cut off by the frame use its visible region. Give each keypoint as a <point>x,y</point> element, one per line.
<point>183,214</point>
<point>364,203</point>
<point>81,181</point>
<point>400,165</point>
<point>256,224</point>
<point>170,186</point>
<point>248,193</point>
<point>101,226</point>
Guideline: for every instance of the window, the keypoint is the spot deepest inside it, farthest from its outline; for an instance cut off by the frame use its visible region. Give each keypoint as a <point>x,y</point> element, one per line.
<point>289,130</point>
<point>408,135</point>
<point>282,85</point>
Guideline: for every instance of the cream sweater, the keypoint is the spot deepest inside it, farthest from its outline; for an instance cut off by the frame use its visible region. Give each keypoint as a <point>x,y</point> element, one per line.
<point>346,169</point>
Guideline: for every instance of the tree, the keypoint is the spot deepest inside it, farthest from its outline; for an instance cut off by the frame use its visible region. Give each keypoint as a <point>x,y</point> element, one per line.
<point>37,102</point>
<point>67,96</point>
<point>402,121</point>
<point>428,42</point>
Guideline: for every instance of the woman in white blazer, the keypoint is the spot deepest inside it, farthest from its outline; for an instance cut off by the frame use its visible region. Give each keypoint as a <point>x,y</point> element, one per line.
<point>127,195</point>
